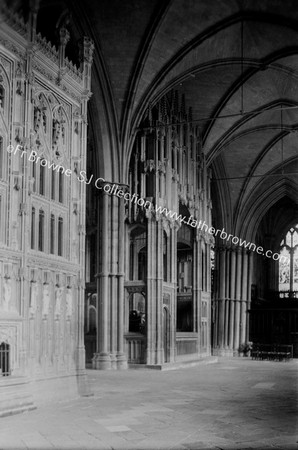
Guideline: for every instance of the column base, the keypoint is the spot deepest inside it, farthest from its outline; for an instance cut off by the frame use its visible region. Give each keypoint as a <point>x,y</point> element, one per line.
<point>121,361</point>
<point>223,352</point>
<point>81,358</point>
<point>101,361</point>
<point>155,357</point>
<point>113,361</point>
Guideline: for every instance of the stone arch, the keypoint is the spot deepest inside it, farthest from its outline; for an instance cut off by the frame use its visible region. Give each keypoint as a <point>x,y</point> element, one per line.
<point>258,206</point>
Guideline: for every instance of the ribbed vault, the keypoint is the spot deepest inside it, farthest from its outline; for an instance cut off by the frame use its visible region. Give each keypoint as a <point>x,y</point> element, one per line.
<point>236,62</point>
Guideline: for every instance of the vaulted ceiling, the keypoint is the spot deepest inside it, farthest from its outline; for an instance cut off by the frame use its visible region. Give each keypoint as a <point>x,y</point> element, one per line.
<point>235,61</point>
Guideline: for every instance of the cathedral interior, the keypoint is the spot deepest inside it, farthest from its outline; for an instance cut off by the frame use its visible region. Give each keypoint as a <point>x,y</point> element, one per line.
<point>148,186</point>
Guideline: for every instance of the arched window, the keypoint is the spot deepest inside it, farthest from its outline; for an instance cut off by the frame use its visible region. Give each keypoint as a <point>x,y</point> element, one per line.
<point>138,255</point>
<point>41,231</point>
<point>2,96</point>
<point>33,228</point>
<point>52,234</point>
<point>173,156</point>
<point>186,305</point>
<point>288,264</point>
<point>61,187</point>
<point>34,177</point>
<point>53,187</point>
<point>4,359</point>
<point>42,178</point>
<point>142,264</point>
<point>165,257</point>
<point>60,236</point>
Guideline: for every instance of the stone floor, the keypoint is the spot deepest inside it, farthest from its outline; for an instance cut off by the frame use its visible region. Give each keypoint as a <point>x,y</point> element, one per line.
<point>233,404</point>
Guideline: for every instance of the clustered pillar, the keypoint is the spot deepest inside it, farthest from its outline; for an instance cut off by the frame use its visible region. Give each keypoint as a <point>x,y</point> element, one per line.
<point>155,292</point>
<point>232,300</point>
<point>110,284</point>
<point>168,182</point>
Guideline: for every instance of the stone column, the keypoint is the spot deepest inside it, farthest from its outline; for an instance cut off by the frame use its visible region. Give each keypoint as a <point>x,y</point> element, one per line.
<point>221,300</point>
<point>233,274</point>
<point>244,298</point>
<point>227,304</point>
<point>208,245</point>
<point>228,273</point>
<point>232,296</point>
<point>151,293</point>
<point>113,279</point>
<point>173,279</point>
<point>102,358</point>
<point>86,62</point>
<point>227,296</point>
<point>208,323</point>
<point>154,292</point>
<point>238,297</point>
<point>248,292</point>
<point>159,293</point>
<point>56,343</point>
<point>222,283</point>
<point>121,357</point>
<point>215,321</point>
<point>215,303</point>
<point>195,290</point>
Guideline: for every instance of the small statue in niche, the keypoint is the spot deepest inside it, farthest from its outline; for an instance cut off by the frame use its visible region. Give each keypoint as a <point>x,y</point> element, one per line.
<point>56,131</point>
<point>36,119</point>
<point>58,128</point>
<point>7,294</point>
<point>44,119</point>
<point>19,70</point>
<point>69,302</point>
<point>40,116</point>
<point>63,133</point>
<point>14,235</point>
<point>58,300</point>
<point>19,89</point>
<point>17,135</point>
<point>33,297</point>
<point>45,300</point>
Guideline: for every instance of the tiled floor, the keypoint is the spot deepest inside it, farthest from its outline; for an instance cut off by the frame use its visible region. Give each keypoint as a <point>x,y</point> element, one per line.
<point>234,404</point>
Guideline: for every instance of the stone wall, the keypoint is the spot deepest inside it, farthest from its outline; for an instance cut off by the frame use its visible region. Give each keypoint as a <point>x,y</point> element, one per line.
<point>43,126</point>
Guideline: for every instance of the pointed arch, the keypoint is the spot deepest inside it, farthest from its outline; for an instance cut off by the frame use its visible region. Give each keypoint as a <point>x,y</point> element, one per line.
<point>258,206</point>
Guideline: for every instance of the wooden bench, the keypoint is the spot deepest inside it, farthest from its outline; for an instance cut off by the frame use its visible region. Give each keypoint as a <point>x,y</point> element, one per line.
<point>272,352</point>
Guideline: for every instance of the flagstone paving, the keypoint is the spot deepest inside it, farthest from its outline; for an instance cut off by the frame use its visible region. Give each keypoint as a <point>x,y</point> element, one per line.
<point>233,404</point>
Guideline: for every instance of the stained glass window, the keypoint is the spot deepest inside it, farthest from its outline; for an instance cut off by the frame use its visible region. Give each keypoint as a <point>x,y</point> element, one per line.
<point>288,263</point>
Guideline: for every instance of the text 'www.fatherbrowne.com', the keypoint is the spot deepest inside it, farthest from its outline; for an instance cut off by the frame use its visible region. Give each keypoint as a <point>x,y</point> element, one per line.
<point>114,189</point>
